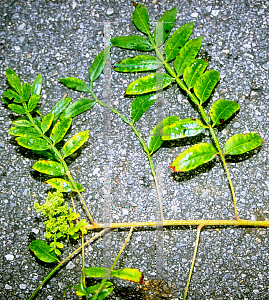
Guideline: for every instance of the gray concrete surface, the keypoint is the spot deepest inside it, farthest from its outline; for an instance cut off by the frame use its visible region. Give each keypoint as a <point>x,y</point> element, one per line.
<point>61,39</point>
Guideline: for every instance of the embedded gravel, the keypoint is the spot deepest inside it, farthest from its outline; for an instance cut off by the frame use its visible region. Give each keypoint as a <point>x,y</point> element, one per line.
<point>60,39</point>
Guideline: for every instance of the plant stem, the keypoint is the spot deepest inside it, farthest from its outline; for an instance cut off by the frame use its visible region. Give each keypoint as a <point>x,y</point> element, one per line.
<point>64,261</point>
<point>73,204</point>
<point>83,259</point>
<point>114,263</point>
<point>60,159</point>
<point>239,222</point>
<point>193,259</point>
<point>122,248</point>
<point>137,133</point>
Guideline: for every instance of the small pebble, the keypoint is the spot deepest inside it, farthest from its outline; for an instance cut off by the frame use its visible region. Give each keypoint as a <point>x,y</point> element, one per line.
<point>125,211</point>
<point>110,11</point>
<point>236,125</point>
<point>194,15</point>
<point>23,286</point>
<point>20,27</point>
<point>70,266</point>
<point>34,230</point>
<point>8,287</point>
<point>215,12</point>
<point>9,257</point>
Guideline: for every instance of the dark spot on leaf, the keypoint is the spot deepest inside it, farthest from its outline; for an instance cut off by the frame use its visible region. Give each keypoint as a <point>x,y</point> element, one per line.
<point>194,119</point>
<point>134,3</point>
<point>221,121</point>
<point>166,31</point>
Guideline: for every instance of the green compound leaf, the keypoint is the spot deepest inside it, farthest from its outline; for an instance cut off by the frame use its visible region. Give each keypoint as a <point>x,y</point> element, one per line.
<point>222,110</point>
<point>24,131</point>
<point>194,157</point>
<point>182,128</point>
<point>49,167</point>
<point>46,122</point>
<point>77,108</point>
<point>22,122</point>
<point>26,91</point>
<point>59,130</point>
<point>37,85</point>
<point>17,108</point>
<point>162,31</point>
<point>10,94</point>
<point>33,102</point>
<point>75,84</point>
<point>186,55</point>
<point>194,71</point>
<point>42,251</point>
<point>60,184</point>
<point>205,85</point>
<point>141,104</point>
<point>154,141</point>
<point>59,107</point>
<point>13,80</point>
<point>74,143</point>
<point>141,18</point>
<point>129,274</point>
<point>177,40</point>
<point>32,143</point>
<point>98,64</point>
<point>148,84</point>
<point>133,42</point>
<point>239,143</point>
<point>138,63</point>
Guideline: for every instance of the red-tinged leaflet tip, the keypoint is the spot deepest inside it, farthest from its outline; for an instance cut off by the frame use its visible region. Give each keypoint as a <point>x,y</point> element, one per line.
<point>173,168</point>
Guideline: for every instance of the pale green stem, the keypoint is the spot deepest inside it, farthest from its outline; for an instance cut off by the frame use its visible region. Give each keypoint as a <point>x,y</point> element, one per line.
<point>143,145</point>
<point>193,260</point>
<point>83,259</point>
<point>64,261</point>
